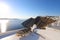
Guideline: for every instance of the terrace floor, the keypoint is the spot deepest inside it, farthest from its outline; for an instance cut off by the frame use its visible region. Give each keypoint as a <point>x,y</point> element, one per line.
<point>48,34</point>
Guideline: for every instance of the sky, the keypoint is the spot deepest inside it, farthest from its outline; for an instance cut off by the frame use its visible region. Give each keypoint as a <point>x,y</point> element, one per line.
<point>29,8</point>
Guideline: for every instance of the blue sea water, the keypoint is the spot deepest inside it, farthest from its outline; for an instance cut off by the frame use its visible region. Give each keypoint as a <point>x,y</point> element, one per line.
<point>13,24</point>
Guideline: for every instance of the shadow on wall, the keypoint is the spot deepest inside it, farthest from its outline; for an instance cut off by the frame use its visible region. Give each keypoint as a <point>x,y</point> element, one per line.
<point>14,24</point>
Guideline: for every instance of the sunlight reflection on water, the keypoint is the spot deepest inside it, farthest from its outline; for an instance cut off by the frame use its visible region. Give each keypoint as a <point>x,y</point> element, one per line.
<point>3,25</point>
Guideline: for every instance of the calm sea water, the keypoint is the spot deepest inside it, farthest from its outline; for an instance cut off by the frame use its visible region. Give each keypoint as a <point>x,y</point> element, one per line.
<point>13,24</point>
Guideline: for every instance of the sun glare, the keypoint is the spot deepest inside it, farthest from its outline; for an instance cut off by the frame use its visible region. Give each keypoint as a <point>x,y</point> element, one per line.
<point>4,10</point>
<point>3,25</point>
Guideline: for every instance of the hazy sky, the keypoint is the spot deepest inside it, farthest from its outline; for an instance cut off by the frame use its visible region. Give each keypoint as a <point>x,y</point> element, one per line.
<point>29,8</point>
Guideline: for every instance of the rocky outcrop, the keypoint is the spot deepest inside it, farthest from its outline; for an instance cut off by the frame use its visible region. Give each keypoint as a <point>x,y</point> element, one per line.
<point>28,23</point>
<point>42,22</point>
